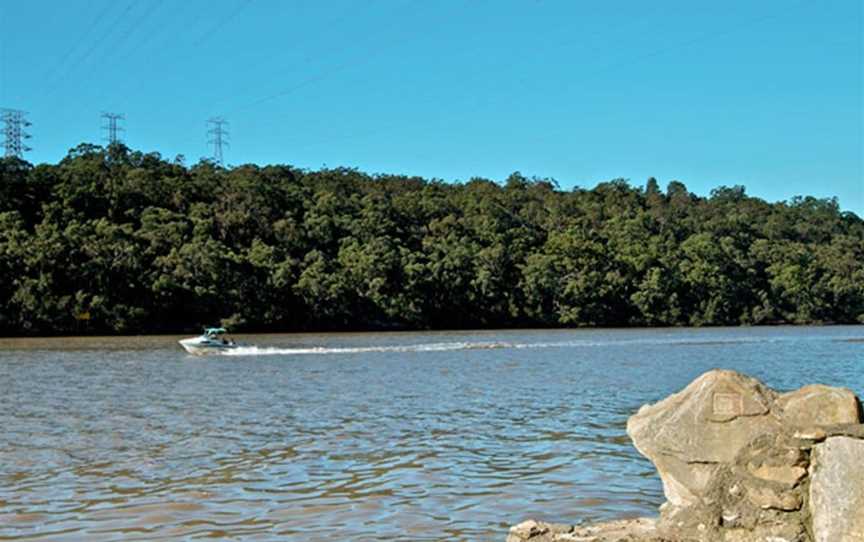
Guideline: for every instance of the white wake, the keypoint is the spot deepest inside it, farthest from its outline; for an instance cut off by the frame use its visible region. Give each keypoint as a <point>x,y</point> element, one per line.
<point>320,350</point>
<point>251,350</point>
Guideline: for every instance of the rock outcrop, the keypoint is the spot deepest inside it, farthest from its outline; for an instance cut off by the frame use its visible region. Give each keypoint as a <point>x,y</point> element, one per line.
<point>836,491</point>
<point>740,462</point>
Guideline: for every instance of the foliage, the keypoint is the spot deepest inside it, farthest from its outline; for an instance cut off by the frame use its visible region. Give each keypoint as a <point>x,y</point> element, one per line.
<point>112,240</point>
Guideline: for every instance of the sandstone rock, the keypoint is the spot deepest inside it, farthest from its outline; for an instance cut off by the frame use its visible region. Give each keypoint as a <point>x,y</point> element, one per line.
<point>788,476</point>
<point>816,434</point>
<point>742,463</point>
<point>817,405</point>
<point>527,530</point>
<point>775,532</point>
<point>769,498</point>
<point>773,461</point>
<point>628,530</point>
<point>853,430</point>
<point>689,433</point>
<point>837,490</point>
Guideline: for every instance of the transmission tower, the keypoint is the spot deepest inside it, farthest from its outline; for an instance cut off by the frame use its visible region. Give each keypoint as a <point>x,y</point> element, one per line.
<point>14,123</point>
<point>217,135</point>
<point>112,127</point>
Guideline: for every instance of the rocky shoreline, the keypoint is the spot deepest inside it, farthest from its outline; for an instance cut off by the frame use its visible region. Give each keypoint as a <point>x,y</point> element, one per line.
<point>741,462</point>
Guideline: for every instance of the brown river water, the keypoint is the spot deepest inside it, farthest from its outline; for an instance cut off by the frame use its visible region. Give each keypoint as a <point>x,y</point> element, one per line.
<point>378,436</point>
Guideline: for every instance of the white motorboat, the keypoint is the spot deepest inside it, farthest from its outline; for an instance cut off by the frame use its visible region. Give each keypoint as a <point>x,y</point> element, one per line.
<point>212,341</point>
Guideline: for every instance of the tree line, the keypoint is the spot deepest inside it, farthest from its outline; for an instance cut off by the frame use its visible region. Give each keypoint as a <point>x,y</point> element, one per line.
<point>111,240</point>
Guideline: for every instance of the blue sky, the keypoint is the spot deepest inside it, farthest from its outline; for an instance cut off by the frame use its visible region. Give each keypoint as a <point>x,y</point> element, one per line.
<point>766,94</point>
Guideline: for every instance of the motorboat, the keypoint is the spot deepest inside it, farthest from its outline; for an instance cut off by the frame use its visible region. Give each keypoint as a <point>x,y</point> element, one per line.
<point>212,341</point>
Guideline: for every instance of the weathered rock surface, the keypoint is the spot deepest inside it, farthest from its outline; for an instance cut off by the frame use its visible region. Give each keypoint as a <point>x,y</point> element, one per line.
<point>626,530</point>
<point>837,491</point>
<point>740,462</point>
<point>818,405</point>
<point>689,434</point>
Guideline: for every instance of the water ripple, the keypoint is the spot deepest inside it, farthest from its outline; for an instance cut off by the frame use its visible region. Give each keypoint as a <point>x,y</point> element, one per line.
<point>374,437</point>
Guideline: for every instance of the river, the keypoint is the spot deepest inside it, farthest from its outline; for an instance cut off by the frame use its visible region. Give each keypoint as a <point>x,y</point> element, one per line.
<point>374,436</point>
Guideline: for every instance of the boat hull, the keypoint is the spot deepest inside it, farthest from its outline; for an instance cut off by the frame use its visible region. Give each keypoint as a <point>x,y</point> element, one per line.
<point>204,347</point>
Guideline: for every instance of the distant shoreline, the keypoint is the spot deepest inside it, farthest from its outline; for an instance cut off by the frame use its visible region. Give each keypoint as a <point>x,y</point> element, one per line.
<point>116,241</point>
<point>347,331</point>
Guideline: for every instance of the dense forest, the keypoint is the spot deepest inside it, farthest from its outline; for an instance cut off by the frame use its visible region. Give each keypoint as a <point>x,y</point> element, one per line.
<point>112,240</point>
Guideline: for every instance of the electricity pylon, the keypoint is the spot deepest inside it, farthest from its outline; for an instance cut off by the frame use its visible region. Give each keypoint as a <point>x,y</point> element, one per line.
<point>14,123</point>
<point>112,127</point>
<point>217,135</point>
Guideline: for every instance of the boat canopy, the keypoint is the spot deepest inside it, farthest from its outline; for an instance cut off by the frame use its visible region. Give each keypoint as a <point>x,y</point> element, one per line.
<point>215,331</point>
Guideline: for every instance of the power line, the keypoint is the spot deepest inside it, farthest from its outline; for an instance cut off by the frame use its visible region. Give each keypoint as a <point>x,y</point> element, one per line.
<point>14,123</point>
<point>89,52</point>
<point>156,58</point>
<point>352,62</point>
<point>217,135</point>
<point>609,67</point>
<point>212,31</point>
<point>137,21</point>
<point>112,127</point>
<point>151,33</point>
<point>54,75</point>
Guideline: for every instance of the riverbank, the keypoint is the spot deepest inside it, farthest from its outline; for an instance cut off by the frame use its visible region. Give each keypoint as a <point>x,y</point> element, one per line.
<point>193,330</point>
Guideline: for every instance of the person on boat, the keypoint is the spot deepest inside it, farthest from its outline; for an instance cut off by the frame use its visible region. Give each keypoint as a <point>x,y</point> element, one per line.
<point>218,334</point>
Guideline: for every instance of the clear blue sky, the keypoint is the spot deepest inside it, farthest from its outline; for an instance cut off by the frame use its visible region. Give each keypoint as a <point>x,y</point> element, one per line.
<point>766,94</point>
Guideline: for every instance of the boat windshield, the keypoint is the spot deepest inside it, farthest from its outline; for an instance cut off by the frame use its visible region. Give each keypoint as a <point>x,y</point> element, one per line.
<point>214,331</point>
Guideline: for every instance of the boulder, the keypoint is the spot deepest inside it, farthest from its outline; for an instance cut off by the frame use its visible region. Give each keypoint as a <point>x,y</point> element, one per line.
<point>817,405</point>
<point>688,434</point>
<point>837,490</point>
<point>740,462</point>
<point>691,434</point>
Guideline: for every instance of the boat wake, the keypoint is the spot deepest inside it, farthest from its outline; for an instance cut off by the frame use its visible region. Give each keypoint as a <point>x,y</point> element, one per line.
<point>498,345</point>
<point>312,350</point>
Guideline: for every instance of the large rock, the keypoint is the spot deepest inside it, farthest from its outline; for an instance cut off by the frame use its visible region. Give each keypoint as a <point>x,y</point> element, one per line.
<point>691,435</point>
<point>688,434</point>
<point>837,490</point>
<point>818,405</point>
<point>740,462</point>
